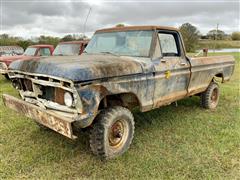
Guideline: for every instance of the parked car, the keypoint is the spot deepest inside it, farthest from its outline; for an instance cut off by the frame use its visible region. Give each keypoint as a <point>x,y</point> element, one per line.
<point>70,48</point>
<point>35,51</point>
<point>121,68</point>
<point>11,50</point>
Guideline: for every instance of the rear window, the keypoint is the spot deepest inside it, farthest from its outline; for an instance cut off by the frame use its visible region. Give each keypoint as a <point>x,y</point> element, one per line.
<point>67,50</point>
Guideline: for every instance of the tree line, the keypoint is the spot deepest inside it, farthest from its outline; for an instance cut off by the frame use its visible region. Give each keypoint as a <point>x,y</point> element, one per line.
<point>7,40</point>
<point>191,36</point>
<point>190,33</point>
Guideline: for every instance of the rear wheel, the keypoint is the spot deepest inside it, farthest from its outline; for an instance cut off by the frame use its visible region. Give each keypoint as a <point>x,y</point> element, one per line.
<point>210,98</point>
<point>112,132</point>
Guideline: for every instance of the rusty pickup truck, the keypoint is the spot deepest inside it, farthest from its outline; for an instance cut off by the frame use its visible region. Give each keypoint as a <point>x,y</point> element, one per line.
<point>121,68</point>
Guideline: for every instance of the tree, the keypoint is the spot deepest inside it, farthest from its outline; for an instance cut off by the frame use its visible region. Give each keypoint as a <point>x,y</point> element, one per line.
<point>74,37</point>
<point>236,36</point>
<point>6,40</point>
<point>216,34</point>
<point>120,25</point>
<point>68,37</point>
<point>48,40</point>
<point>24,43</point>
<point>190,36</point>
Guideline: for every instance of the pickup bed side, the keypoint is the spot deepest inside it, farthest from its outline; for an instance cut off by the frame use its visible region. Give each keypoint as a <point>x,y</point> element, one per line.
<point>204,69</point>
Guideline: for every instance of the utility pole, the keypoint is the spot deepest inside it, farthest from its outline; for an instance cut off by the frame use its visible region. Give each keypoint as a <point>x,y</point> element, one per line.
<point>217,31</point>
<point>215,38</point>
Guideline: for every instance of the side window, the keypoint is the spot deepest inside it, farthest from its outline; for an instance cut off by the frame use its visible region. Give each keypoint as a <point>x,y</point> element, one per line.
<point>169,44</point>
<point>45,52</point>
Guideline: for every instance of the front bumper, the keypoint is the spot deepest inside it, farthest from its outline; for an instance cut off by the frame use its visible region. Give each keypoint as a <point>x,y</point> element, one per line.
<point>59,122</point>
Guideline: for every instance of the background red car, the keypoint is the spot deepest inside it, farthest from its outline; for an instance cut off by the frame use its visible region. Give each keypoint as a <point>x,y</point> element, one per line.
<point>32,51</point>
<point>70,48</point>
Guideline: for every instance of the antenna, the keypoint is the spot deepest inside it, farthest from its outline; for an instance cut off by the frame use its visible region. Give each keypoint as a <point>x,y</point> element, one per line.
<point>84,26</point>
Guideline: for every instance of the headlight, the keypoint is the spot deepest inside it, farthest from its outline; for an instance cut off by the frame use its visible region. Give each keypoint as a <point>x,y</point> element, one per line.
<point>68,99</point>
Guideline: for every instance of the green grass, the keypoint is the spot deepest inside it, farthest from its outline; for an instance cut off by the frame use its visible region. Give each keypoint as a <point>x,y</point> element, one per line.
<point>219,44</point>
<point>183,142</point>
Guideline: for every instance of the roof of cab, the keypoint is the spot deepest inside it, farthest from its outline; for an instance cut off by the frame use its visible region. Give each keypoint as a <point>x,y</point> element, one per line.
<point>132,28</point>
<point>41,45</point>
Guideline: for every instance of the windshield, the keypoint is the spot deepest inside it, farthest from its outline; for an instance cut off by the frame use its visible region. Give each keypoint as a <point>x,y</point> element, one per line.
<point>67,50</point>
<point>128,43</point>
<point>30,51</point>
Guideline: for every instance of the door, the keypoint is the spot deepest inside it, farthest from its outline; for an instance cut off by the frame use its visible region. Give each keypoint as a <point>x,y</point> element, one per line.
<point>172,71</point>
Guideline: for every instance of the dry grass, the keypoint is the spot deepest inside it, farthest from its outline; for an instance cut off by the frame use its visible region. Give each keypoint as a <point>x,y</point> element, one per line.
<point>219,44</point>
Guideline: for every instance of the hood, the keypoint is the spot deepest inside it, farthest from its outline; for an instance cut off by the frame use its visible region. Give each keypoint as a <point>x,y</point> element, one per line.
<point>8,59</point>
<point>80,68</point>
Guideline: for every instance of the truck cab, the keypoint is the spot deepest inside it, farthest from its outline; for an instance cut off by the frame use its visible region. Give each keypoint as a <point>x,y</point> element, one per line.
<point>70,48</point>
<point>39,50</point>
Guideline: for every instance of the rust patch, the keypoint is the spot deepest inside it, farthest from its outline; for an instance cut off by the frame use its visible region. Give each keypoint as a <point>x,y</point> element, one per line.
<point>137,28</point>
<point>60,124</point>
<point>59,96</point>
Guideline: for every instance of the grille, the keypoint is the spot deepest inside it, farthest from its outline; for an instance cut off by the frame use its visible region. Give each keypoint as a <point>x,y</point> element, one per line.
<point>42,87</point>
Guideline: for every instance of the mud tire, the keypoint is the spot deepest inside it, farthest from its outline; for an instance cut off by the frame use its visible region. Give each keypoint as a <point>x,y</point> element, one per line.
<point>210,97</point>
<point>103,141</point>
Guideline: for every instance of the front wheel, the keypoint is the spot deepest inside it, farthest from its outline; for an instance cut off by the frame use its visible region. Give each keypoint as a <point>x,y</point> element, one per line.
<point>210,97</point>
<point>112,132</point>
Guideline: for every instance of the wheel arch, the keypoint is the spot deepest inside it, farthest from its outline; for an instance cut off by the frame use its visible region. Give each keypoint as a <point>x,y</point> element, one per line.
<point>125,99</point>
<point>219,75</point>
<point>98,97</point>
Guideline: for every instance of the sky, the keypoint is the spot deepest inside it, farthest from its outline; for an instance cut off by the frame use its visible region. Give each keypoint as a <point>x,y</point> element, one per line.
<point>32,18</point>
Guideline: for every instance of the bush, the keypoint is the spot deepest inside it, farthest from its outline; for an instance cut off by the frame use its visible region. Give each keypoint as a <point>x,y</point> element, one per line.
<point>190,36</point>
<point>236,36</point>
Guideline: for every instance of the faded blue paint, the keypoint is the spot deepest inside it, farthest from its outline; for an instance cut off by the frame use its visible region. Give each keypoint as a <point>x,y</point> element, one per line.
<point>80,68</point>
